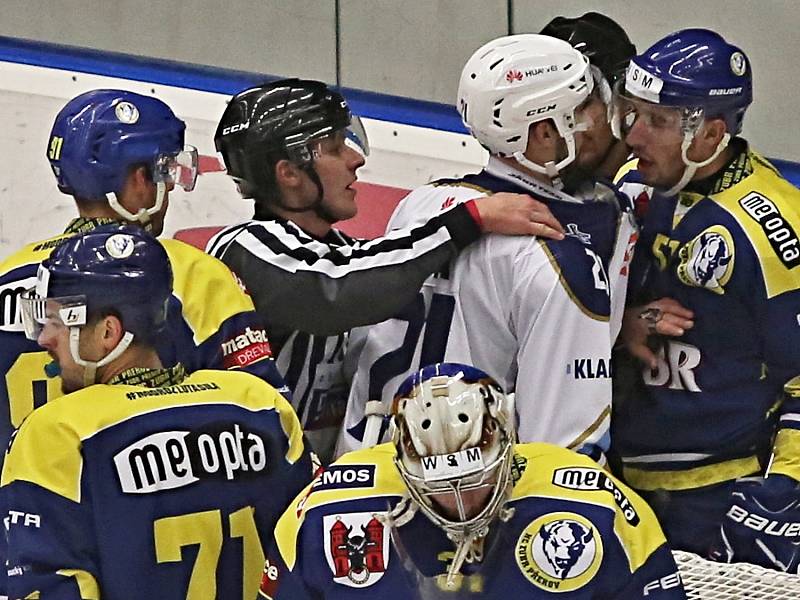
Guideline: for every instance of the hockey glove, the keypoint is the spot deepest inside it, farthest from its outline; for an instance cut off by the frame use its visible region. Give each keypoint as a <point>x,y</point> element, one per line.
<point>762,524</point>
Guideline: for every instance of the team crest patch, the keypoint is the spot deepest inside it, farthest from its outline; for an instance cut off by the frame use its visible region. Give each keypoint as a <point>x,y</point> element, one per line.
<point>356,548</point>
<point>707,260</point>
<point>559,552</point>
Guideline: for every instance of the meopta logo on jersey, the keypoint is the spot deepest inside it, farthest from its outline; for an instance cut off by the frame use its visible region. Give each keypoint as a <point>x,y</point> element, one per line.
<point>707,260</point>
<point>10,315</point>
<point>345,476</point>
<point>779,232</point>
<point>245,349</point>
<point>585,478</point>
<point>172,459</point>
<point>356,548</point>
<point>559,552</point>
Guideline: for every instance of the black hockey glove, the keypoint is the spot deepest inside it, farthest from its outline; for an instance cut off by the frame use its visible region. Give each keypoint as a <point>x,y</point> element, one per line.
<point>762,524</point>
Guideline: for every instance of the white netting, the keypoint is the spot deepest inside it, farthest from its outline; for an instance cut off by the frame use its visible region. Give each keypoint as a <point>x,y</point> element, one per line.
<point>706,580</point>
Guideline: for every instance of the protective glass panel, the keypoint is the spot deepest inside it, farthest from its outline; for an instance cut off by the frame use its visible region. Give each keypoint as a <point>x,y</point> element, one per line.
<point>178,169</point>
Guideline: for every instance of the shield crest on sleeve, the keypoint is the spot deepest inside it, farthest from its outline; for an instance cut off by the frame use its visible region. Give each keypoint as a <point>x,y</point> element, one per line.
<point>356,548</point>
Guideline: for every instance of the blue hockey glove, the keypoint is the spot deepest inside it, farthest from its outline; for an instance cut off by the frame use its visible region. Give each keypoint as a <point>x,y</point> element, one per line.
<point>762,524</point>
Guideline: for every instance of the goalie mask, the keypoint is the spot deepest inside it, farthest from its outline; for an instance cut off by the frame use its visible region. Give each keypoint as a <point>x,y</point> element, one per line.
<point>515,81</point>
<point>454,437</point>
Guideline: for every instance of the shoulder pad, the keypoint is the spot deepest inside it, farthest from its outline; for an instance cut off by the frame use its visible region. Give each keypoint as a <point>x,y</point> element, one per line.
<point>582,275</point>
<point>197,276</point>
<point>360,475</point>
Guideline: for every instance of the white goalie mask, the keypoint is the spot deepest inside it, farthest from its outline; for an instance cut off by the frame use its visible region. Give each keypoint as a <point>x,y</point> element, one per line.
<point>454,436</point>
<point>514,81</point>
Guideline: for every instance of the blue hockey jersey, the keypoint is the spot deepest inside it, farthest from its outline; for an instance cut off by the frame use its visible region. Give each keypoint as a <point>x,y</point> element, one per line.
<point>212,324</point>
<point>728,249</point>
<point>575,533</point>
<point>129,492</point>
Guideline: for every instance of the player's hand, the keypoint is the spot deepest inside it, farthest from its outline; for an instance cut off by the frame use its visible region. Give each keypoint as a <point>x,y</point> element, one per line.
<point>762,524</point>
<point>664,316</point>
<point>517,214</point>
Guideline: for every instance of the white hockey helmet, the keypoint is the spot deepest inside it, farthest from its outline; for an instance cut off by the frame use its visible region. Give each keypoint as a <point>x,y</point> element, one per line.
<point>454,434</point>
<point>514,81</point>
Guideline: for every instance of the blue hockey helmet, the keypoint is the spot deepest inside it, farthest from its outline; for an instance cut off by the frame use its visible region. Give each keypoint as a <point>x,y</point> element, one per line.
<point>100,134</point>
<point>114,269</point>
<point>696,69</point>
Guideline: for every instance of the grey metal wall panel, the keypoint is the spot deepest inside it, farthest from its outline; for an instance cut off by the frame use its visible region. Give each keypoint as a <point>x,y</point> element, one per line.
<point>415,47</point>
<point>765,29</point>
<point>280,37</point>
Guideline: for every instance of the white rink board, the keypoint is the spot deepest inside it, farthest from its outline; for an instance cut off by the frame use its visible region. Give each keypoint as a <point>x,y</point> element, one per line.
<point>33,208</point>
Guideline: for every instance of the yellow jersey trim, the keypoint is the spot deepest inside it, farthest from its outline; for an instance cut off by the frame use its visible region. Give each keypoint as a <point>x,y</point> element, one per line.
<point>207,289</point>
<point>691,478</point>
<point>46,450</point>
<point>764,204</point>
<point>639,540</point>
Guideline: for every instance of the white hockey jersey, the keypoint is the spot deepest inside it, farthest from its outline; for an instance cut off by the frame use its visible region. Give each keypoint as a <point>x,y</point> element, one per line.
<point>532,313</point>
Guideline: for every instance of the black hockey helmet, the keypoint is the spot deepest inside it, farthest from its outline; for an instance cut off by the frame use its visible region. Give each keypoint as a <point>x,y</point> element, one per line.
<point>600,38</point>
<point>272,121</point>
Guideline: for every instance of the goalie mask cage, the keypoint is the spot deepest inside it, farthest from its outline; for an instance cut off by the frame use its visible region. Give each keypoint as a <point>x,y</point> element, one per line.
<point>707,580</point>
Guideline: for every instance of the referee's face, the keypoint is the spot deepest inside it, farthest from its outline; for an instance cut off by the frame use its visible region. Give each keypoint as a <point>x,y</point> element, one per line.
<point>336,164</point>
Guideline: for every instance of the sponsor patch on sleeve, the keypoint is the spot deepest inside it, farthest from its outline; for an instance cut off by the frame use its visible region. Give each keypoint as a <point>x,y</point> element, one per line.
<point>337,477</point>
<point>250,346</point>
<point>270,580</point>
<point>588,479</point>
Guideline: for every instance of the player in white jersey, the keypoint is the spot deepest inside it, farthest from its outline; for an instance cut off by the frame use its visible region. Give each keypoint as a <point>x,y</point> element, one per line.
<point>288,144</point>
<point>534,314</point>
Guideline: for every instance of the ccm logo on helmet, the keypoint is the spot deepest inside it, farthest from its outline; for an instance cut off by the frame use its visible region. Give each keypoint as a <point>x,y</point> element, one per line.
<point>541,109</point>
<point>758,523</point>
<point>235,128</point>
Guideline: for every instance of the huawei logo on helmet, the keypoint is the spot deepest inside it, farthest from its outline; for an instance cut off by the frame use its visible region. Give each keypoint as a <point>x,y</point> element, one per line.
<point>513,75</point>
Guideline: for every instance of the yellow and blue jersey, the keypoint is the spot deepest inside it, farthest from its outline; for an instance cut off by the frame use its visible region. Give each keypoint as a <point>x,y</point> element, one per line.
<point>212,324</point>
<point>728,249</point>
<point>575,532</point>
<point>173,492</point>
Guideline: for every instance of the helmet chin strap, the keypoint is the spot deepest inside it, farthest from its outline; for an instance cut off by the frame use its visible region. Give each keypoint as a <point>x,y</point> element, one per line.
<point>551,168</point>
<point>143,215</point>
<point>692,166</point>
<point>90,367</point>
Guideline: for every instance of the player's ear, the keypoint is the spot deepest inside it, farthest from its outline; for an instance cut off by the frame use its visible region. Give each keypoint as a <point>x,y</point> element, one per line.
<point>707,139</point>
<point>288,175</point>
<point>109,330</point>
